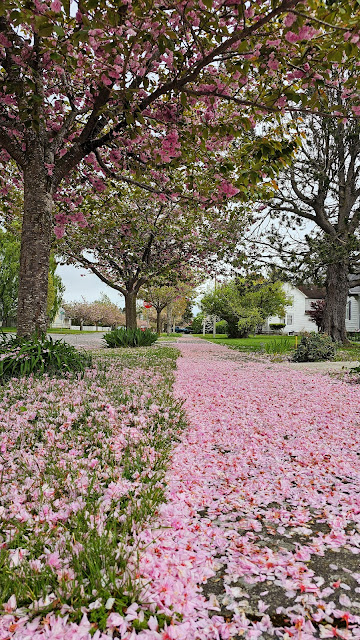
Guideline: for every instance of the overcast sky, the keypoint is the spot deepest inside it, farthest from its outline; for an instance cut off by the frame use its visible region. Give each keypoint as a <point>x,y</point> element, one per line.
<point>79,282</point>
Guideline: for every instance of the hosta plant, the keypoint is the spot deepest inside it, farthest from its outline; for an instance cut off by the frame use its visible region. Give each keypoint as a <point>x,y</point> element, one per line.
<point>38,355</point>
<point>130,338</point>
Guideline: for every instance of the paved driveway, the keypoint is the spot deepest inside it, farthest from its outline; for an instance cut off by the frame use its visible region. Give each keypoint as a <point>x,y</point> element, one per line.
<point>82,340</point>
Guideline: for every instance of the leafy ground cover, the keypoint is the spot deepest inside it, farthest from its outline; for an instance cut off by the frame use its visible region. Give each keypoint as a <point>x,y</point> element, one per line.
<point>82,467</point>
<point>263,504</point>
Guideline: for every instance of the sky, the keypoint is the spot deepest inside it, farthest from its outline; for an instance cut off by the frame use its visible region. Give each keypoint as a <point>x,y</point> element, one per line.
<point>80,283</point>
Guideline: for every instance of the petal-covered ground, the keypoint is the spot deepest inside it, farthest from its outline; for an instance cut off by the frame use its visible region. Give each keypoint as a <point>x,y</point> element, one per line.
<point>259,533</point>
<point>263,511</point>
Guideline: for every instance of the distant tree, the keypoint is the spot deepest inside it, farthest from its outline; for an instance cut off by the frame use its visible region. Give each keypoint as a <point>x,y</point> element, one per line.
<point>245,304</point>
<point>162,296</point>
<point>314,214</point>
<point>9,275</point>
<point>106,313</point>
<point>56,290</point>
<point>197,323</point>
<point>79,310</point>
<point>102,312</point>
<point>132,241</point>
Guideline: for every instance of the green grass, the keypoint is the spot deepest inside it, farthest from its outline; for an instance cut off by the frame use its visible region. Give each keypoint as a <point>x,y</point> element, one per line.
<point>252,343</point>
<point>102,560</point>
<point>277,344</point>
<point>349,352</point>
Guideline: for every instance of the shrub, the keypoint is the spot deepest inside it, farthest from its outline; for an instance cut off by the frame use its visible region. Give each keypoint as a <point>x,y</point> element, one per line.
<point>25,356</point>
<point>130,338</point>
<point>276,326</point>
<point>222,326</point>
<point>314,347</point>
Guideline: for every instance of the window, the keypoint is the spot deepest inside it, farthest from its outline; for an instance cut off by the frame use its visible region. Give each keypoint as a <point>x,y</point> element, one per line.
<point>348,310</point>
<point>289,318</point>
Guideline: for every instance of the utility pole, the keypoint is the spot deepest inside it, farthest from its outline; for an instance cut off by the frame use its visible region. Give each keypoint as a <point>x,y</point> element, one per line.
<point>214,317</point>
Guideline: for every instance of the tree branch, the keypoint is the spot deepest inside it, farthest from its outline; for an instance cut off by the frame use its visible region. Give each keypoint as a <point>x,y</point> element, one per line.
<point>12,148</point>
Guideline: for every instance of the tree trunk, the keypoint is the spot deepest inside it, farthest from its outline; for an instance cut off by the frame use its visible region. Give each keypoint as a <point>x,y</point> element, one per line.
<point>81,325</point>
<point>168,318</point>
<point>158,322</point>
<point>130,310</point>
<point>36,237</point>
<point>337,289</point>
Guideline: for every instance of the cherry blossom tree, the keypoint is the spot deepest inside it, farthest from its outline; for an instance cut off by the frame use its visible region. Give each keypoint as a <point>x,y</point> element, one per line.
<point>132,239</point>
<point>105,313</point>
<point>162,296</point>
<point>102,312</point>
<point>79,310</point>
<point>140,83</point>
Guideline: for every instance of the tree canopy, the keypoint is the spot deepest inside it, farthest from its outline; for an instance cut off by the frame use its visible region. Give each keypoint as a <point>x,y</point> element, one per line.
<point>142,85</point>
<point>245,304</point>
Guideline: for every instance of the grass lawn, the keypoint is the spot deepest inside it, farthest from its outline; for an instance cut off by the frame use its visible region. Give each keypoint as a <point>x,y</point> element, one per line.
<point>254,343</point>
<point>277,344</point>
<point>83,465</point>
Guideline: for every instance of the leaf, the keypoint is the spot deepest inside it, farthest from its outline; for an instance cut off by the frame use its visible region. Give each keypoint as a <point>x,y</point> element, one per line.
<point>59,30</point>
<point>43,26</point>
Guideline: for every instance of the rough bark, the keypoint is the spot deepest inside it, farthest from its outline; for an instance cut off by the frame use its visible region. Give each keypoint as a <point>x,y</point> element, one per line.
<point>36,236</point>
<point>168,318</point>
<point>130,310</point>
<point>337,288</point>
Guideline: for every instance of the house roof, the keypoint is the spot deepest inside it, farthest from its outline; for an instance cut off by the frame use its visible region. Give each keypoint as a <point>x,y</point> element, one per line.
<point>354,290</point>
<point>315,293</point>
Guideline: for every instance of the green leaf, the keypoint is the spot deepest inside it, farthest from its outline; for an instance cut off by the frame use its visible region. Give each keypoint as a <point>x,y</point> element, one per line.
<point>59,30</point>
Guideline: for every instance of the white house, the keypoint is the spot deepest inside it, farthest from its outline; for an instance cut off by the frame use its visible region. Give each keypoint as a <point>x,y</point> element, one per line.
<point>61,320</point>
<point>297,317</point>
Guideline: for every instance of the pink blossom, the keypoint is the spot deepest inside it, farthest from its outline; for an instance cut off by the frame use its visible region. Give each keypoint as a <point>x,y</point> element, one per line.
<point>56,6</point>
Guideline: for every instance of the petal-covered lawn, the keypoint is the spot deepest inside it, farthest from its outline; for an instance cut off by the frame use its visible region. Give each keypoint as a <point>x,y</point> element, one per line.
<point>256,535</point>
<point>263,504</point>
<point>82,463</point>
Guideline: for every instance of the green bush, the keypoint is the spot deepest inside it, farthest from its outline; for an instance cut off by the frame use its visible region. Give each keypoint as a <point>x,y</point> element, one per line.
<point>276,326</point>
<point>25,356</point>
<point>222,326</point>
<point>130,338</point>
<point>314,347</point>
